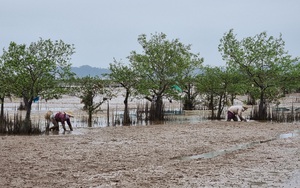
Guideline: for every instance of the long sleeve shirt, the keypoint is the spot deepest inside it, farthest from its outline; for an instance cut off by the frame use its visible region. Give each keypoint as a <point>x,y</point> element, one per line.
<point>62,117</point>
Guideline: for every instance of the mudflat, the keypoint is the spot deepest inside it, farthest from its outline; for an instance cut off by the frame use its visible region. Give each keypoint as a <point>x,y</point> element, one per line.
<point>248,154</point>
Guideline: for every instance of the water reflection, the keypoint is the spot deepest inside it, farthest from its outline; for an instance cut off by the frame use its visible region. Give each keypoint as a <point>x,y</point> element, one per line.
<point>62,132</point>
<point>288,135</point>
<point>117,117</point>
<point>235,148</point>
<point>218,152</point>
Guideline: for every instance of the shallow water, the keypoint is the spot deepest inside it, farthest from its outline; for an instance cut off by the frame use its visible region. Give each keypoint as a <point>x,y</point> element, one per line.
<point>218,152</point>
<point>117,120</point>
<point>291,134</point>
<point>62,132</point>
<point>237,147</point>
<point>294,181</point>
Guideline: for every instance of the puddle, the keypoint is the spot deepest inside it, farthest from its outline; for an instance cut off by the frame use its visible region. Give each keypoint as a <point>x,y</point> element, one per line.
<point>288,135</point>
<point>67,132</point>
<point>235,148</point>
<point>217,153</point>
<point>294,181</point>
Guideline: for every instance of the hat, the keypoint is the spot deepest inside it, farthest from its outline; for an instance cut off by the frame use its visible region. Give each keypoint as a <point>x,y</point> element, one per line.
<point>48,114</point>
<point>70,114</point>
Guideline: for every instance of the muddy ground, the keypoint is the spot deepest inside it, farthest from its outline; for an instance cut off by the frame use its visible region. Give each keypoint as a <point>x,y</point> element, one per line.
<point>179,154</point>
<point>166,155</point>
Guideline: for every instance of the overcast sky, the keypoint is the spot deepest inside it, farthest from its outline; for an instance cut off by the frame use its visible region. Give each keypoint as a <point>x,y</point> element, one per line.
<point>105,29</point>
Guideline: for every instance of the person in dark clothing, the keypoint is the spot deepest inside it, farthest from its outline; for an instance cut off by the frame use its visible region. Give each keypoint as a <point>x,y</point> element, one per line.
<point>235,112</point>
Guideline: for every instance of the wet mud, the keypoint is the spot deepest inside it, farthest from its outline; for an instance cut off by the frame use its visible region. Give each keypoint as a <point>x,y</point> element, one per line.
<point>237,147</point>
<point>145,156</point>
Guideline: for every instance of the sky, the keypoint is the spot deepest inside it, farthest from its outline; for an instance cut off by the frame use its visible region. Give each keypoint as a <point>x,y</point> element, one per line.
<point>104,30</point>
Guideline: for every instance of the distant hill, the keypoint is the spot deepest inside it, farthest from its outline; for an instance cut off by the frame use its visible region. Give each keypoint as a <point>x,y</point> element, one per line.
<point>87,70</point>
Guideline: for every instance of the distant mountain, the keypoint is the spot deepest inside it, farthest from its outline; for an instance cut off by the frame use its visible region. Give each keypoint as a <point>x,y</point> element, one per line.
<point>87,70</point>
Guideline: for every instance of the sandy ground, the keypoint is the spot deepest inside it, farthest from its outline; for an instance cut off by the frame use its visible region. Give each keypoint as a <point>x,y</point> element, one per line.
<point>156,156</point>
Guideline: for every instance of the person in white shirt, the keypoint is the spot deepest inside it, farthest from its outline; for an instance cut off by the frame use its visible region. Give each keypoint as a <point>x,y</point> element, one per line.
<point>236,111</point>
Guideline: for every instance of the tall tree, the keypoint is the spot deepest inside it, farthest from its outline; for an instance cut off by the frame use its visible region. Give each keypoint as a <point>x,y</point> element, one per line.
<point>127,78</point>
<point>160,66</point>
<point>219,84</point>
<point>187,84</point>
<point>88,89</point>
<point>264,61</point>
<point>38,70</point>
<point>6,86</point>
<point>236,84</point>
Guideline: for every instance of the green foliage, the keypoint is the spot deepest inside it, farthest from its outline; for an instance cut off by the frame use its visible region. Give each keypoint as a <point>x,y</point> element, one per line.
<point>6,86</point>
<point>264,62</point>
<point>88,89</point>
<point>37,70</point>
<point>211,80</point>
<point>220,85</point>
<point>123,75</point>
<point>127,78</point>
<point>188,82</point>
<point>161,65</point>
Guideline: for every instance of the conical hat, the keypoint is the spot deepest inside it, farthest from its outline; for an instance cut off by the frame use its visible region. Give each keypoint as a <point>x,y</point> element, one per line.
<point>69,113</point>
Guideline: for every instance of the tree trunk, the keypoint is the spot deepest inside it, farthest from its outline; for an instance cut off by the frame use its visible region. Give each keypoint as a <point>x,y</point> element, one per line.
<point>2,107</point>
<point>159,109</point>
<point>107,112</point>
<point>189,101</point>
<point>211,105</point>
<point>220,107</point>
<point>232,97</point>
<point>126,118</point>
<point>262,110</point>
<point>156,111</point>
<point>90,112</point>
<point>27,124</point>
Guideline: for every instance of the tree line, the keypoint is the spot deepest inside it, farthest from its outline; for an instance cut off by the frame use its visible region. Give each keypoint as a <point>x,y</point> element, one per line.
<point>257,66</point>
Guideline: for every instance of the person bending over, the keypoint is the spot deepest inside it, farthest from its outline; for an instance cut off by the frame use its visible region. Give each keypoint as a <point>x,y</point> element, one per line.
<point>60,117</point>
<point>236,111</point>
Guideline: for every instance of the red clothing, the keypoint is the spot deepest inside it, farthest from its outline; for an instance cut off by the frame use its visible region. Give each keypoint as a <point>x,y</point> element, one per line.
<point>62,117</point>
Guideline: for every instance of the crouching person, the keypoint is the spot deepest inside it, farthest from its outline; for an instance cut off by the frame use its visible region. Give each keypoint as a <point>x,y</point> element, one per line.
<point>48,117</point>
<point>61,117</point>
<point>236,111</point>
